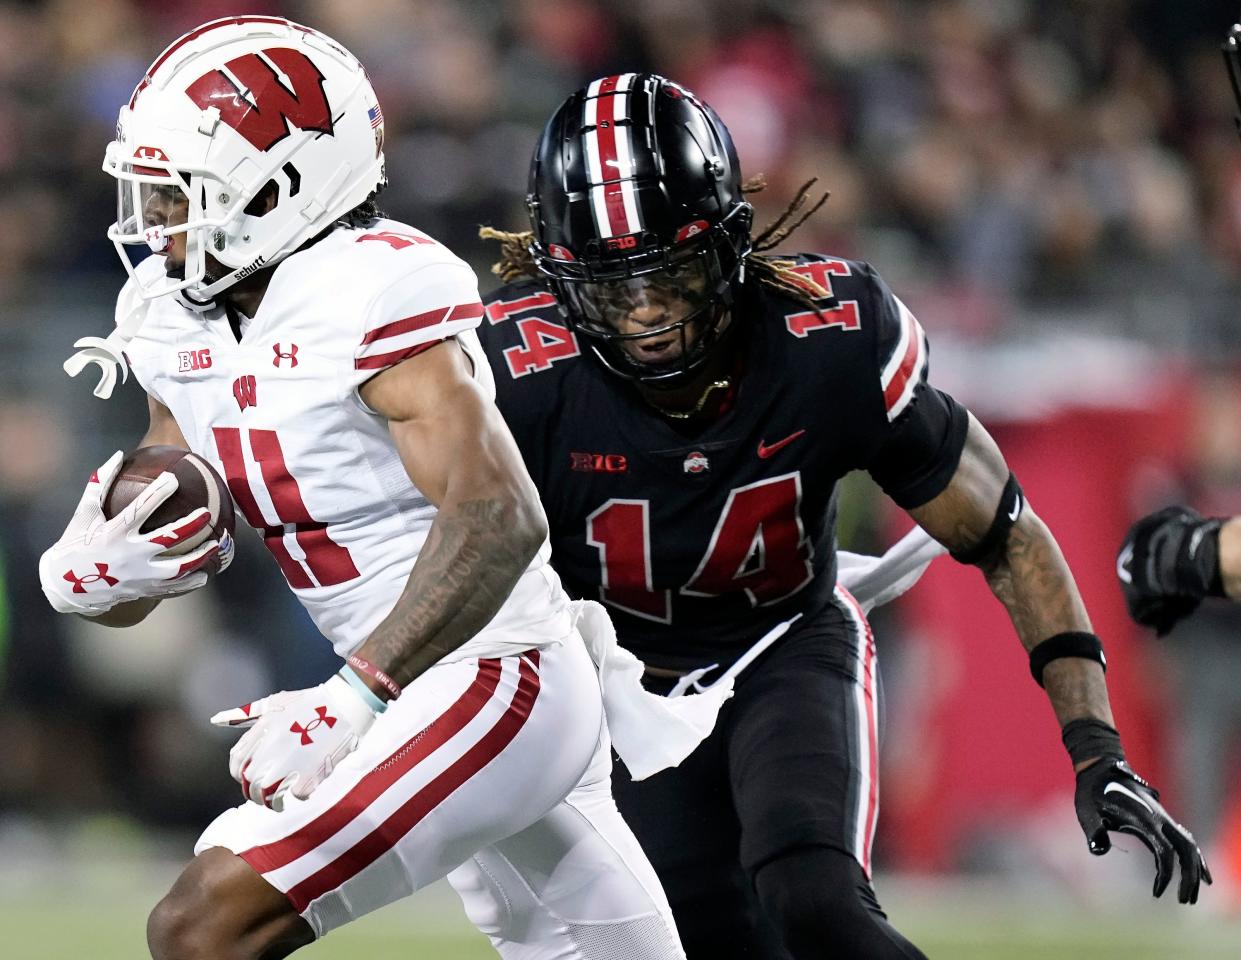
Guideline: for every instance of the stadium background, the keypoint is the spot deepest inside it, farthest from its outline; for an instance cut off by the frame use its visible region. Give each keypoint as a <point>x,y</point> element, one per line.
<point>1055,189</point>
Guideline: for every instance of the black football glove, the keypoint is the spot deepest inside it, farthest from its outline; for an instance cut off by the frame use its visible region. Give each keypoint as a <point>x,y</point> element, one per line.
<point>1110,796</point>
<point>1167,563</point>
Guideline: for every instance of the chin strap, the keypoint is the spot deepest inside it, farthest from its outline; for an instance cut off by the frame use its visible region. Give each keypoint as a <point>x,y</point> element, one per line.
<point>108,354</point>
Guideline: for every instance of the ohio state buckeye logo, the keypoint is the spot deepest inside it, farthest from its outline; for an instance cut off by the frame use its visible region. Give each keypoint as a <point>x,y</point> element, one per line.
<point>314,724</point>
<point>101,574</point>
<point>290,355</point>
<point>696,462</point>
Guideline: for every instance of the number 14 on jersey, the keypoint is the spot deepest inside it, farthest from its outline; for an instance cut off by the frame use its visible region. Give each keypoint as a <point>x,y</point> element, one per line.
<point>758,547</point>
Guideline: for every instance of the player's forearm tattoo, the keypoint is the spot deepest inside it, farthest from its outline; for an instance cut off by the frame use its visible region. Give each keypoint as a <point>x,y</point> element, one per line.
<point>474,554</point>
<point>1031,578</point>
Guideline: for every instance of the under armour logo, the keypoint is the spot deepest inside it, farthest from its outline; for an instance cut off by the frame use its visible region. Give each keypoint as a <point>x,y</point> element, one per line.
<point>290,355</point>
<point>305,731</point>
<point>79,583</point>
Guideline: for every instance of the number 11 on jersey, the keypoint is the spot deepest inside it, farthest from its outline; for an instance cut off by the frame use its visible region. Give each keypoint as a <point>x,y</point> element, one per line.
<point>326,562</point>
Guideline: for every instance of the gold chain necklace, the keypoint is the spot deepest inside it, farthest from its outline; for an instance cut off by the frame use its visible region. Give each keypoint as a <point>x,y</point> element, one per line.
<point>710,388</point>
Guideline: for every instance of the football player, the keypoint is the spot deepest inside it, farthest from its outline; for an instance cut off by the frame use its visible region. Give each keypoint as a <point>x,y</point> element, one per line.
<point>686,407</point>
<point>1173,558</point>
<point>322,358</point>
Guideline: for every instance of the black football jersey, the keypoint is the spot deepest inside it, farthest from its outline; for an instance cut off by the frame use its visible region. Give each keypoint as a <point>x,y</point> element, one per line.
<point>700,539</point>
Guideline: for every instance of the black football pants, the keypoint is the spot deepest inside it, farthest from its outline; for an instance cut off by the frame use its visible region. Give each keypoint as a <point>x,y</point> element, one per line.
<point>754,834</point>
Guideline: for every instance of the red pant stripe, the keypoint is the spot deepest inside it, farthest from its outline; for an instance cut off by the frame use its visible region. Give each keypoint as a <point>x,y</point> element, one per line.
<point>386,836</point>
<point>272,856</point>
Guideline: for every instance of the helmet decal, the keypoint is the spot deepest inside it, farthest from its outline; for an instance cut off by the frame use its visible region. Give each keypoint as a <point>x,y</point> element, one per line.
<point>262,94</point>
<point>150,153</point>
<point>691,230</point>
<point>607,140</point>
<point>639,179</point>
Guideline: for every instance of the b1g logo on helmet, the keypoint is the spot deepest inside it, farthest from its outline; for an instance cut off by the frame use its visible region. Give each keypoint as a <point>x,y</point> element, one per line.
<point>260,95</point>
<point>627,242</point>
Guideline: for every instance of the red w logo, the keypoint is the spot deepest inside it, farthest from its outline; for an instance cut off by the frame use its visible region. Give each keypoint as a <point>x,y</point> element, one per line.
<point>263,93</point>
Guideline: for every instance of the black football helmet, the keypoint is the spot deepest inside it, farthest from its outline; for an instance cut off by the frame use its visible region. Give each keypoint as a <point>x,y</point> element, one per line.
<point>636,206</point>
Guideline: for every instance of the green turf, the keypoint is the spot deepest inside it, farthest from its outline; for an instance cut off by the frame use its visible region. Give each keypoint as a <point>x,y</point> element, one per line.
<point>97,910</point>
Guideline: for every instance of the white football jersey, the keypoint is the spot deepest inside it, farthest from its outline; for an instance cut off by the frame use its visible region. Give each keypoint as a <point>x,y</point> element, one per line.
<point>310,466</point>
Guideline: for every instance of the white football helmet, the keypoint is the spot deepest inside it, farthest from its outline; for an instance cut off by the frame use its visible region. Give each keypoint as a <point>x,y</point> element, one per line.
<point>226,110</point>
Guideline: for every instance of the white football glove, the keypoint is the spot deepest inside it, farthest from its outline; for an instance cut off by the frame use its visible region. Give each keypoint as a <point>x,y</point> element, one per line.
<point>98,563</point>
<point>296,739</point>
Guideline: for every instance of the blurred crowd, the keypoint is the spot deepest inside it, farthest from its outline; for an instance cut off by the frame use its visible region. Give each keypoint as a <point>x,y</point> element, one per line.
<point>1013,167</point>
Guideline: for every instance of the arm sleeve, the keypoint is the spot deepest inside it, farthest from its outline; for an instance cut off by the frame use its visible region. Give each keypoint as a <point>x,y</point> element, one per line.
<point>920,431</point>
<point>417,311</point>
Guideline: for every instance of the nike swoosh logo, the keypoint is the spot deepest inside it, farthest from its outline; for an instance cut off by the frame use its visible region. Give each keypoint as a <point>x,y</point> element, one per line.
<point>1195,541</point>
<point>1016,509</point>
<point>1123,562</point>
<point>765,451</point>
<point>1121,788</point>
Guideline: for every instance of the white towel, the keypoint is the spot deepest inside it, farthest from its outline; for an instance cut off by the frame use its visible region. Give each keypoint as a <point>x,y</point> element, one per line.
<point>874,581</point>
<point>651,732</point>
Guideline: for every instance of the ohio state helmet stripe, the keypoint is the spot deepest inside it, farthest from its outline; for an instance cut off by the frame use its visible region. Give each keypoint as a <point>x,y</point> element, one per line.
<point>609,156</point>
<point>905,368</point>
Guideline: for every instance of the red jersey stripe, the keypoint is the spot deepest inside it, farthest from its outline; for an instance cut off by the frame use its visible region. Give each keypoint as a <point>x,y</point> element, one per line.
<point>462,311</point>
<point>411,813</point>
<point>279,853</point>
<point>911,361</point>
<point>381,360</point>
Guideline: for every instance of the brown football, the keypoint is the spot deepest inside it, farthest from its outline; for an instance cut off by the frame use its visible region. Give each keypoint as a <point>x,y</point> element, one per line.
<point>198,485</point>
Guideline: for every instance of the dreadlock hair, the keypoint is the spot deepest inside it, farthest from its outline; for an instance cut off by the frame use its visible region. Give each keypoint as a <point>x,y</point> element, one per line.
<point>774,273</point>
<point>365,213</point>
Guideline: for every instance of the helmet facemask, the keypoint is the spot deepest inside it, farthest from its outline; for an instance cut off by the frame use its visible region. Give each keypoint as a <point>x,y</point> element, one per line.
<point>157,202</point>
<point>219,219</point>
<point>679,294</point>
<point>1232,57</point>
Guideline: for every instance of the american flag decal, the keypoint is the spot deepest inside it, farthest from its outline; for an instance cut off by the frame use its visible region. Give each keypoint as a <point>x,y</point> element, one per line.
<point>376,115</point>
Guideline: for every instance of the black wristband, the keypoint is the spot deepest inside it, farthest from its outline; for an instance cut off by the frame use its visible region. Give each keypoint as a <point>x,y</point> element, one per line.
<point>1088,738</point>
<point>1071,643</point>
